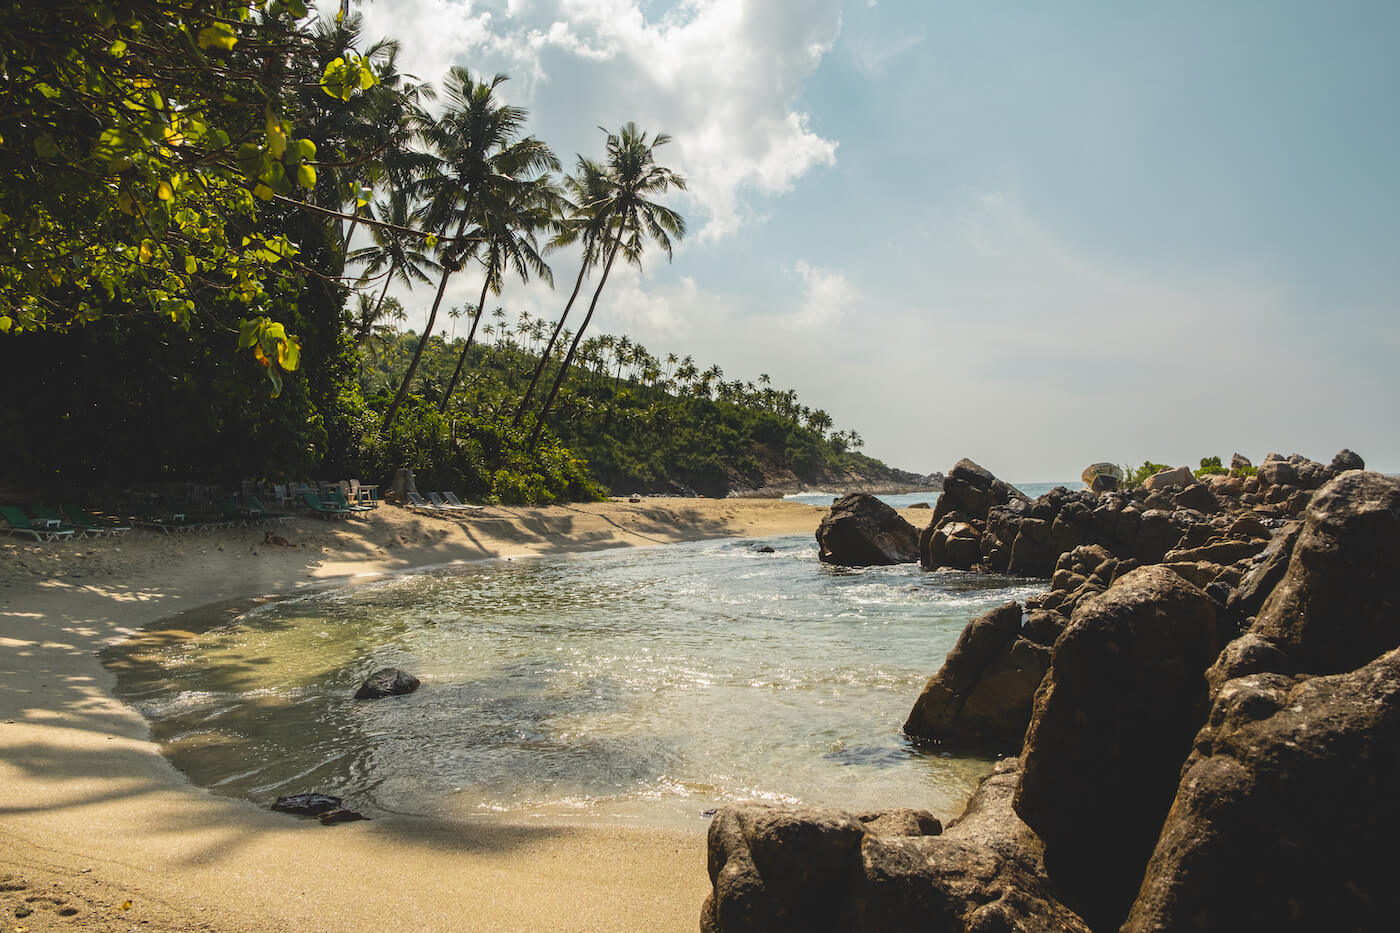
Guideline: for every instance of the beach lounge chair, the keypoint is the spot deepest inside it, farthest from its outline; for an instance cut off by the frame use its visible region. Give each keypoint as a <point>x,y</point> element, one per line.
<point>257,512</point>
<point>317,507</point>
<point>81,518</point>
<point>339,501</point>
<point>417,502</point>
<point>51,517</point>
<point>39,529</point>
<point>440,503</point>
<point>452,500</point>
<point>172,523</point>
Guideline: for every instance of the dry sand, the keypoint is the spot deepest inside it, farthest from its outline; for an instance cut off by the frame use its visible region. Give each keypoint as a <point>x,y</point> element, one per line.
<point>99,832</point>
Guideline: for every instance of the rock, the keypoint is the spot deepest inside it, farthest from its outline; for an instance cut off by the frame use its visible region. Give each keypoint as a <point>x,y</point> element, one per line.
<point>1112,722</point>
<point>953,544</point>
<point>1272,564</point>
<point>764,549</point>
<point>1219,552</point>
<point>776,870</point>
<point>308,804</point>
<point>1346,460</point>
<point>1240,465</point>
<point>388,682</point>
<point>1286,810</point>
<point>1336,608</point>
<point>1199,497</point>
<point>919,505</point>
<point>983,640</point>
<point>1173,476</point>
<point>972,490</point>
<point>862,531</point>
<point>1094,470</point>
<point>341,816</point>
<point>1277,472</point>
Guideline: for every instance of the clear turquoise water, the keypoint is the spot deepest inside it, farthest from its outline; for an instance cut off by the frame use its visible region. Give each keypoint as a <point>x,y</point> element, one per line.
<point>642,685</point>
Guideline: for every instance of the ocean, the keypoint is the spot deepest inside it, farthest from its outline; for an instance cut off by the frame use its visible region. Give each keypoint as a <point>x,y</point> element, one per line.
<point>644,686</point>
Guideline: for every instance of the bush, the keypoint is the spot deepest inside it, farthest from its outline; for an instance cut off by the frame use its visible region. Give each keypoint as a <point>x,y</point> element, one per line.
<point>1210,466</point>
<point>1133,478</point>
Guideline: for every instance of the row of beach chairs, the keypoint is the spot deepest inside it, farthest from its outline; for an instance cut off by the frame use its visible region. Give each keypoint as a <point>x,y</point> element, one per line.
<point>44,523</point>
<point>441,502</point>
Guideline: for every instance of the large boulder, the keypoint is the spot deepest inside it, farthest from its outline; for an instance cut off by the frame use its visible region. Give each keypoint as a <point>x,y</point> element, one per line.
<point>983,693</point>
<point>1347,460</point>
<point>1336,607</point>
<point>775,870</point>
<point>862,531</point>
<point>1112,724</point>
<point>972,490</point>
<point>1287,812</point>
<point>1172,476</point>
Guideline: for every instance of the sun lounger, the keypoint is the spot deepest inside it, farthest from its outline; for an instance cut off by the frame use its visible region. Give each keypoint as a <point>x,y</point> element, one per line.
<point>52,519</point>
<point>452,500</point>
<point>418,502</point>
<point>313,502</point>
<point>81,518</point>
<point>339,501</point>
<point>440,503</point>
<point>39,529</point>
<point>172,523</point>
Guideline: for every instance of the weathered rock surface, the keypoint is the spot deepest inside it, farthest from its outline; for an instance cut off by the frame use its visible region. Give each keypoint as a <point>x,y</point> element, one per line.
<point>982,695</point>
<point>1287,810</point>
<point>1172,476</point>
<point>308,804</point>
<point>388,682</point>
<point>1112,723</point>
<point>862,531</point>
<point>776,870</point>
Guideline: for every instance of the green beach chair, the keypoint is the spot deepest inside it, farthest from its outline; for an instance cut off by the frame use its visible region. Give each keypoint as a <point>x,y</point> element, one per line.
<point>20,523</point>
<point>339,501</point>
<point>50,515</point>
<point>84,519</point>
<point>318,508</point>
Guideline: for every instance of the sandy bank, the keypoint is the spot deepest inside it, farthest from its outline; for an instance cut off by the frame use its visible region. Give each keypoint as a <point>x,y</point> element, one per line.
<point>92,817</point>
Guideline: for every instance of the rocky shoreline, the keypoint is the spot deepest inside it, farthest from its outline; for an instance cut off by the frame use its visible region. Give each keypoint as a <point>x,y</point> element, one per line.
<point>1201,717</point>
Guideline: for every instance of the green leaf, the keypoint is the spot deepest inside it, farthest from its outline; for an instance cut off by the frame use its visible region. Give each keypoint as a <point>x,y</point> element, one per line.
<point>45,147</point>
<point>218,36</point>
<point>306,176</point>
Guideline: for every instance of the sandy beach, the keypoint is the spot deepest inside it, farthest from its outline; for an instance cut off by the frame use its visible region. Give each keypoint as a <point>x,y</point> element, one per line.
<point>99,832</point>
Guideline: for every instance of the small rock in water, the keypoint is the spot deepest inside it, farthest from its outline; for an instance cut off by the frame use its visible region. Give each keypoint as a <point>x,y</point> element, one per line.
<point>388,682</point>
<point>308,804</point>
<point>764,549</point>
<point>341,816</point>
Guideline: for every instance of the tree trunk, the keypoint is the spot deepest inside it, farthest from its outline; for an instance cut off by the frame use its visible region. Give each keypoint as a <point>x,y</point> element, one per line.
<point>427,330</point>
<point>573,347</point>
<point>549,348</point>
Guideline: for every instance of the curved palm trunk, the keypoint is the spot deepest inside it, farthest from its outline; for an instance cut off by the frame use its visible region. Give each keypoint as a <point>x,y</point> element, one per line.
<point>427,331</point>
<point>456,373</point>
<point>573,347</point>
<point>549,348</point>
<point>368,325</point>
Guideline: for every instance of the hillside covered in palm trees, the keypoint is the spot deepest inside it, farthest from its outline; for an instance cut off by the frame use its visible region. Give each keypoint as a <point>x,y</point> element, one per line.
<point>224,193</point>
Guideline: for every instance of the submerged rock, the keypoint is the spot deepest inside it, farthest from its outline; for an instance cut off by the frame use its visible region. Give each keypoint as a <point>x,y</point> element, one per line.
<point>308,804</point>
<point>388,682</point>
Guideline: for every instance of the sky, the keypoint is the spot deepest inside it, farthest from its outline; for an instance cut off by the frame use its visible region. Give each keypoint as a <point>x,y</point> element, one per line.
<point>1036,235</point>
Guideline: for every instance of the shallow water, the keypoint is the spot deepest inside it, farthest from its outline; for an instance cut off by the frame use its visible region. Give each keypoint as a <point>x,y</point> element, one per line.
<point>642,685</point>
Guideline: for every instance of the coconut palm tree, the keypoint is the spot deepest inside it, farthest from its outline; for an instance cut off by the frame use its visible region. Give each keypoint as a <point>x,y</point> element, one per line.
<point>628,218</point>
<point>477,140</point>
<point>394,255</point>
<point>507,239</point>
<point>588,186</point>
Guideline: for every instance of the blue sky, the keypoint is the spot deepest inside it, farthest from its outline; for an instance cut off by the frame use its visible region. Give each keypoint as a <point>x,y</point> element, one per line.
<point>1035,235</point>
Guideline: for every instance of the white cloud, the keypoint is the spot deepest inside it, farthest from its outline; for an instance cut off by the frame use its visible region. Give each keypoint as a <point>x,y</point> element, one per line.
<point>871,57</point>
<point>826,297</point>
<point>722,77</point>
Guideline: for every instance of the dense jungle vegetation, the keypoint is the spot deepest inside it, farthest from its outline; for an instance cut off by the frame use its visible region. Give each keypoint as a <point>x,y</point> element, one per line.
<point>205,207</point>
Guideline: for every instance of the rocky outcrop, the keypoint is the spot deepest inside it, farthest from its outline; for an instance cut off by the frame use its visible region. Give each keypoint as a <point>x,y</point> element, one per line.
<point>1112,723</point>
<point>982,695</point>
<point>861,531</point>
<point>775,870</point>
<point>1285,809</point>
<point>388,682</point>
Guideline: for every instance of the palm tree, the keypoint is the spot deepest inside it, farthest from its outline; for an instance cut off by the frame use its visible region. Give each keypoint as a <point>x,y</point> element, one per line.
<point>628,217</point>
<point>477,139</point>
<point>507,235</point>
<point>393,255</point>
<point>587,187</point>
